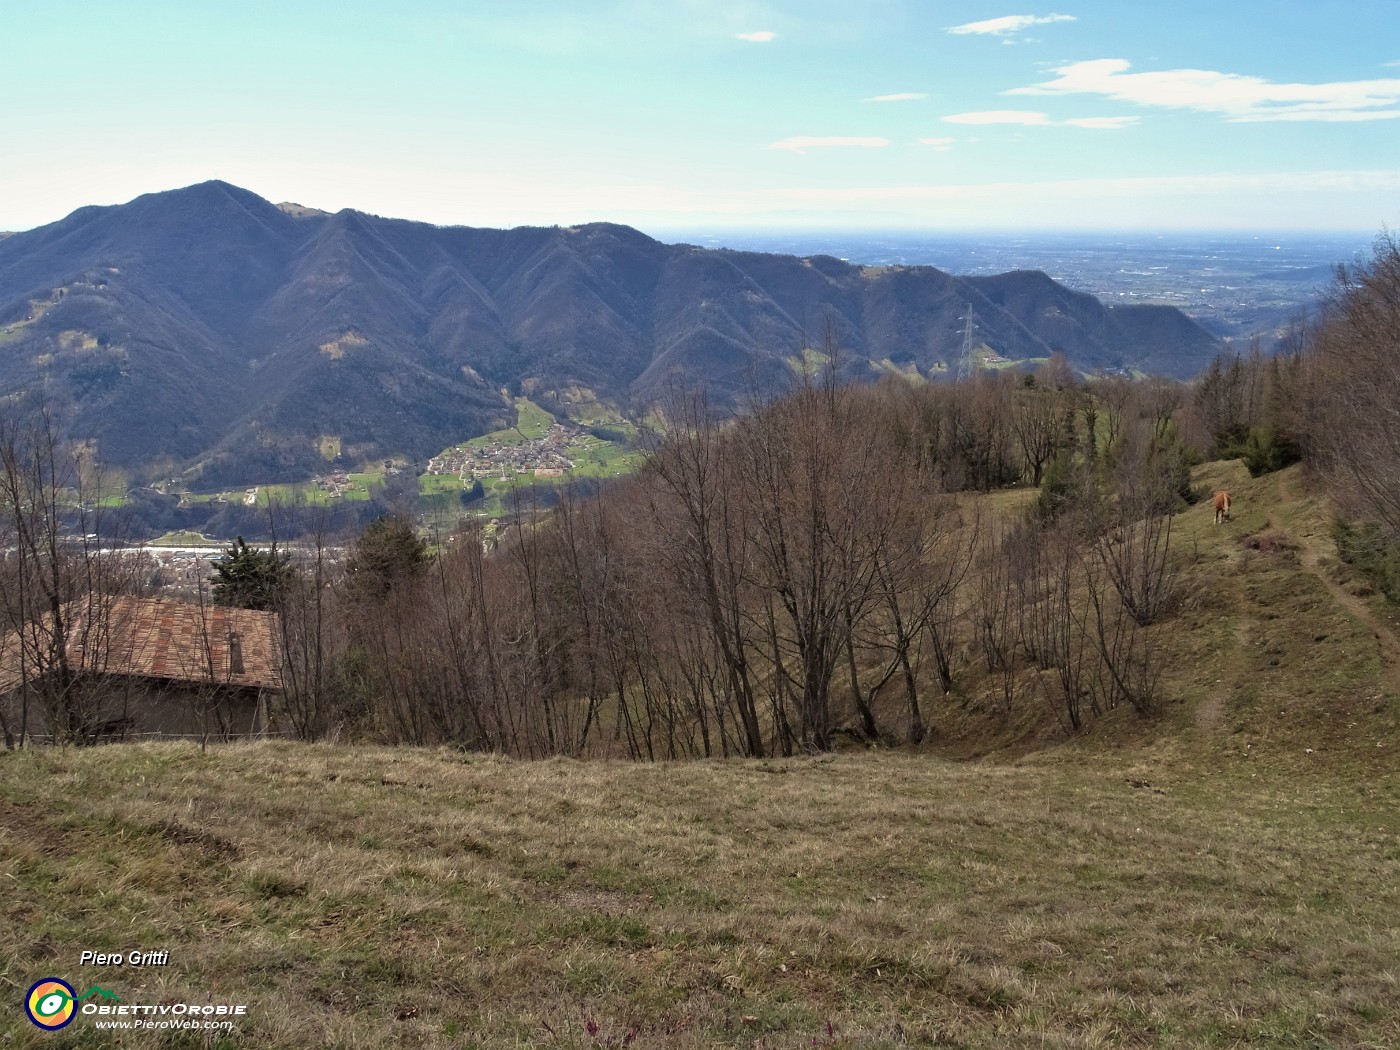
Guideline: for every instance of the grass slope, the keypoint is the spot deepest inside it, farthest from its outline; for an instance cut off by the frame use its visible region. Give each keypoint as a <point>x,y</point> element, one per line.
<point>1277,656</point>
<point>363,896</point>
<point>1227,874</point>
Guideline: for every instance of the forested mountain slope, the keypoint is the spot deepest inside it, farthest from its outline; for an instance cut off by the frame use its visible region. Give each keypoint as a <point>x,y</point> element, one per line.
<point>208,331</point>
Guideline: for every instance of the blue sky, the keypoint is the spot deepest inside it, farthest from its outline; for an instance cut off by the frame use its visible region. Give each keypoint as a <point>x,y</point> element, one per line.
<point>698,114</point>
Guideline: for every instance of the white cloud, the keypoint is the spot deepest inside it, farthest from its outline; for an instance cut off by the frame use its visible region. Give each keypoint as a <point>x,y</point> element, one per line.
<point>1001,116</point>
<point>1008,24</point>
<point>1235,97</point>
<point>1101,123</point>
<point>763,36</point>
<point>1033,119</point>
<point>940,145</point>
<point>801,143</point>
<point>905,96</point>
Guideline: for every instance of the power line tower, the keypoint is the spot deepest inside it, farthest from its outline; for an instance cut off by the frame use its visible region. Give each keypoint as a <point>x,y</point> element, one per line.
<point>965,355</point>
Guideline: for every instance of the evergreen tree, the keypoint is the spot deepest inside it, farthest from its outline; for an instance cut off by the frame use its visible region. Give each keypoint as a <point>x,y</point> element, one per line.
<point>250,578</point>
<point>386,553</point>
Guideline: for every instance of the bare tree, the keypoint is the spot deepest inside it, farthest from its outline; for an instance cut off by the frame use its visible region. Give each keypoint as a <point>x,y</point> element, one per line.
<point>1117,394</point>
<point>993,610</point>
<point>1160,399</point>
<point>57,584</point>
<point>1132,530</point>
<point>1354,401</point>
<point>705,530</point>
<point>1039,423</point>
<point>826,489</point>
<point>309,629</point>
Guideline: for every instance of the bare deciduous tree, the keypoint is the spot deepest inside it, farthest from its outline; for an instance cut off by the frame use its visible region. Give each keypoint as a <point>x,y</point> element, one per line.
<point>57,584</point>
<point>1354,396</point>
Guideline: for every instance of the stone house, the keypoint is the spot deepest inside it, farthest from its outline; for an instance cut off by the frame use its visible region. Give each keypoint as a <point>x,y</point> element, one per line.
<point>140,668</point>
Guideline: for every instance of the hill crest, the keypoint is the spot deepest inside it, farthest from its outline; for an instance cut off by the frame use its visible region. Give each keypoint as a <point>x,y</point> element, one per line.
<point>185,329</point>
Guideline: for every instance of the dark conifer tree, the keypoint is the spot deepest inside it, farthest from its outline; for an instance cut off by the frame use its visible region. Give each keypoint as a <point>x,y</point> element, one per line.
<point>251,578</point>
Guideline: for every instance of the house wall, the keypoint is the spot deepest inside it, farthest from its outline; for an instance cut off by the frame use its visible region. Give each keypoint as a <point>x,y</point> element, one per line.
<point>116,709</point>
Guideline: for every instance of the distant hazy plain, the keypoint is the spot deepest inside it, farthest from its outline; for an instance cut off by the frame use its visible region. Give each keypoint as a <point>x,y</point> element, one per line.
<point>1236,284</point>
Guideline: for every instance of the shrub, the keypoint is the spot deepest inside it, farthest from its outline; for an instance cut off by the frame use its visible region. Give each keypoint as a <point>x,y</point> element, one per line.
<point>1362,546</point>
<point>1062,482</point>
<point>1266,450</point>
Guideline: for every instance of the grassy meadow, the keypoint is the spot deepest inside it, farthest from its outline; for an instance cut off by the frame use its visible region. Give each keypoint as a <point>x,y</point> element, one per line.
<point>368,897</point>
<point>1224,875</point>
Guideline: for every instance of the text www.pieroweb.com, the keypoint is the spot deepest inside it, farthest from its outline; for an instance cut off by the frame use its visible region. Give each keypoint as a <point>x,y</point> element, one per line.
<point>197,1024</point>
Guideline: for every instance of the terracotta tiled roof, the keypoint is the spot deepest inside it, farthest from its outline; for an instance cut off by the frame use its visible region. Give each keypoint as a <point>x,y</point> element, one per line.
<point>162,638</point>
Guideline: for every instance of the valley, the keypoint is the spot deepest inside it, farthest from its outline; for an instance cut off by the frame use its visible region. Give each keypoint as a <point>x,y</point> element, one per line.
<point>478,478</point>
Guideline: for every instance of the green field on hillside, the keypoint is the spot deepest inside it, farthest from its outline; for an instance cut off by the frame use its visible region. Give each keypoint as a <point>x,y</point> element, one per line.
<point>293,493</point>
<point>186,538</point>
<point>434,484</point>
<point>531,423</point>
<point>593,457</point>
<point>361,486</point>
<point>598,459</point>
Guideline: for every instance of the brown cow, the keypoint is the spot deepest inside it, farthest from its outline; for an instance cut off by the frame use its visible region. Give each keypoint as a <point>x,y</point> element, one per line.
<point>1222,506</point>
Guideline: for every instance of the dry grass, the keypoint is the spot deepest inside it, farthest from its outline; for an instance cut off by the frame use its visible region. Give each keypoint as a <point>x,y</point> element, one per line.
<point>1271,663</point>
<point>1225,875</point>
<point>365,897</point>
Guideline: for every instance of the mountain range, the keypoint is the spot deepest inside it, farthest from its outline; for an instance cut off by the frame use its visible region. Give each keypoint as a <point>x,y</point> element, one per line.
<point>208,333</point>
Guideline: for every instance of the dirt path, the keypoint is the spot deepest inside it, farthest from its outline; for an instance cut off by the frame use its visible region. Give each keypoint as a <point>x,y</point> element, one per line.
<point>1211,711</point>
<point>1309,556</point>
<point>1386,641</point>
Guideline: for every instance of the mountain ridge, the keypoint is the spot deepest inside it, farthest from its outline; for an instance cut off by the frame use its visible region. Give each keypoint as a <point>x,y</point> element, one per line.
<point>208,331</point>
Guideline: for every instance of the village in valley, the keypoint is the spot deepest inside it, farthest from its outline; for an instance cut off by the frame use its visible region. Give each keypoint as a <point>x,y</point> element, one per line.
<point>540,449</point>
<point>547,456</point>
<point>476,475</point>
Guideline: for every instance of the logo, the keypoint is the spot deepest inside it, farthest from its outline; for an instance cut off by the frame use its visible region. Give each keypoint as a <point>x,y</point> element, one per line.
<point>51,1003</point>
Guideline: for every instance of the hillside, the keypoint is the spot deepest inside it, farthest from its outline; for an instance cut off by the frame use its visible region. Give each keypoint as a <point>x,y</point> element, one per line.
<point>210,333</point>
<point>371,897</point>
<point>1278,656</point>
<point>1224,875</point>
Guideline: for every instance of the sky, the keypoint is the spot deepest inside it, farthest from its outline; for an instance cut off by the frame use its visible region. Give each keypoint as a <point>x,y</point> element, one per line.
<point>922,115</point>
